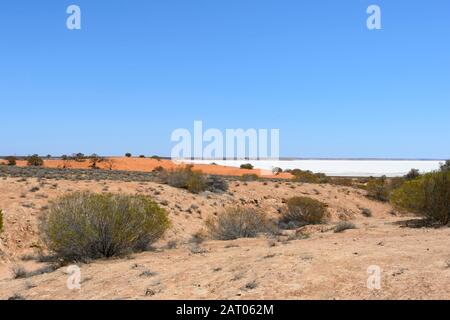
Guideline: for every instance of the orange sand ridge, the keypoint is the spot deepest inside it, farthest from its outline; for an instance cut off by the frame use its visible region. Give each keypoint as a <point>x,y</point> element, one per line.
<point>148,165</point>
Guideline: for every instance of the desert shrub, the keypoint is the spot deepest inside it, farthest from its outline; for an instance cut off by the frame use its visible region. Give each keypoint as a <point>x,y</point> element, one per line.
<point>302,211</point>
<point>306,176</point>
<point>346,182</point>
<point>79,157</point>
<point>11,160</point>
<point>445,166</point>
<point>159,169</point>
<point>344,225</point>
<point>216,184</point>
<point>412,174</point>
<point>196,182</point>
<point>142,156</point>
<point>238,222</point>
<point>277,170</point>
<point>247,166</point>
<point>83,225</point>
<point>186,178</point>
<point>94,160</point>
<point>156,158</point>
<point>323,178</point>
<point>428,196</point>
<point>128,155</point>
<point>378,189</point>
<point>35,161</point>
<point>249,177</point>
<point>1,220</point>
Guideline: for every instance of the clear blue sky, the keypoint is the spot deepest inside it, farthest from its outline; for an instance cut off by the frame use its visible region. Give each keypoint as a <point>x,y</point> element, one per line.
<point>139,69</point>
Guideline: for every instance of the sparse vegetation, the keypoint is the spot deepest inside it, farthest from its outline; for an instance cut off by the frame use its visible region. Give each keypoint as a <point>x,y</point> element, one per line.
<point>428,196</point>
<point>302,211</point>
<point>83,225</point>
<point>35,161</point>
<point>412,174</point>
<point>186,178</point>
<point>79,157</point>
<point>378,189</point>
<point>192,180</point>
<point>128,155</point>
<point>347,182</point>
<point>11,160</point>
<point>344,225</point>
<point>238,222</point>
<point>248,166</point>
<point>304,176</point>
<point>249,177</point>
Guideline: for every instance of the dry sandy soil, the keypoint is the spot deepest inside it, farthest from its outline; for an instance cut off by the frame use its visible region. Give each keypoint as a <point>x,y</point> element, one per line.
<point>415,262</point>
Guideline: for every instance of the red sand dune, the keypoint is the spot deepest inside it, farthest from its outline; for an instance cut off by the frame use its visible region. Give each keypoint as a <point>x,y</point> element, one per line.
<point>147,165</point>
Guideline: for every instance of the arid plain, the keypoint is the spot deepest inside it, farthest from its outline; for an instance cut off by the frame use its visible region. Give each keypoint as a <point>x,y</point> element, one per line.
<point>310,262</point>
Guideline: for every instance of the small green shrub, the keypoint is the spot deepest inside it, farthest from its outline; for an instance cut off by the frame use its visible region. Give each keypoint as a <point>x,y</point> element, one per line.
<point>302,211</point>
<point>142,156</point>
<point>309,176</point>
<point>238,222</point>
<point>378,189</point>
<point>156,157</point>
<point>83,225</point>
<point>12,161</point>
<point>247,166</point>
<point>196,182</point>
<point>277,170</point>
<point>35,161</point>
<point>186,178</point>
<point>412,174</point>
<point>428,196</point>
<point>128,155</point>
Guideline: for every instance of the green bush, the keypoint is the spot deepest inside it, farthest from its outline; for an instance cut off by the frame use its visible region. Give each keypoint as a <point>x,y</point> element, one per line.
<point>238,222</point>
<point>378,189</point>
<point>186,178</point>
<point>35,161</point>
<point>428,196</point>
<point>1,220</point>
<point>12,161</point>
<point>83,225</point>
<point>128,155</point>
<point>307,176</point>
<point>302,211</point>
<point>412,174</point>
<point>196,182</point>
<point>247,166</point>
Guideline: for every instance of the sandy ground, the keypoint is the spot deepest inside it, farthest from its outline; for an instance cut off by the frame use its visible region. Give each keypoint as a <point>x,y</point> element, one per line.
<point>148,164</point>
<point>415,263</point>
